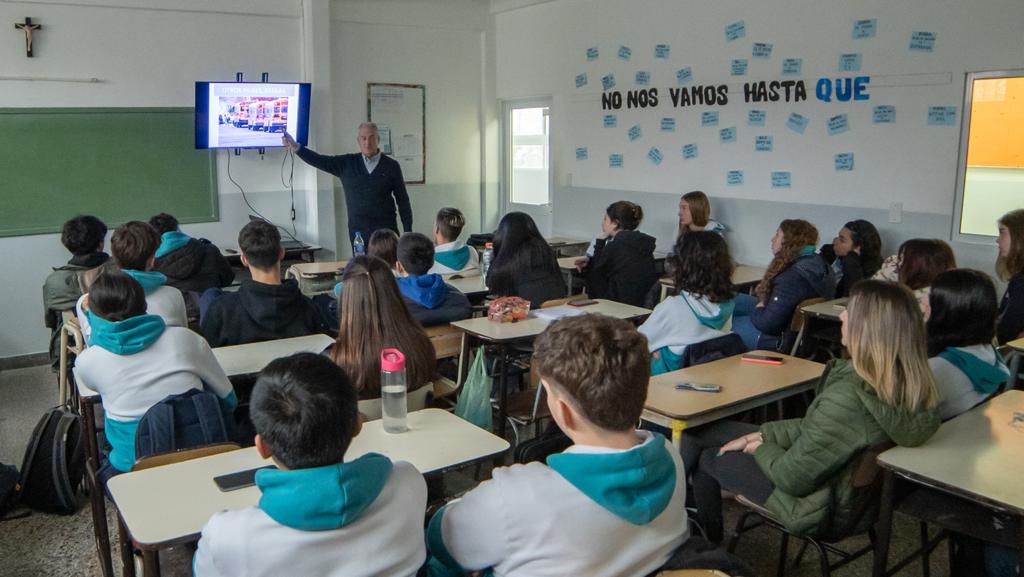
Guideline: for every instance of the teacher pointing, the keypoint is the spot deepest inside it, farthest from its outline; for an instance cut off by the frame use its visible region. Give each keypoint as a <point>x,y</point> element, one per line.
<point>373,183</point>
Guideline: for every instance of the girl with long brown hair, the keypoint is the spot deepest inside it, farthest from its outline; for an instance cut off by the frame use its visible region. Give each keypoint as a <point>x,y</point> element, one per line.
<point>795,274</point>
<point>1010,267</point>
<point>371,318</point>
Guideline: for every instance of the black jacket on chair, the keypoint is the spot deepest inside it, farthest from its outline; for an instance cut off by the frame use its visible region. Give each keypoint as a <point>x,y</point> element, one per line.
<point>197,266</point>
<point>622,269</point>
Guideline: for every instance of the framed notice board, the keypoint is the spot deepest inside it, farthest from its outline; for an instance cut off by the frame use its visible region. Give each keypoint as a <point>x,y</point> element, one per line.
<point>399,111</point>
<point>119,164</point>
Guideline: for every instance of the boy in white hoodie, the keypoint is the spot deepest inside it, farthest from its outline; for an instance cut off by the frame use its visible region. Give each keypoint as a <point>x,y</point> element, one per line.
<point>702,310</point>
<point>610,505</point>
<point>136,360</point>
<point>451,255</point>
<point>316,514</point>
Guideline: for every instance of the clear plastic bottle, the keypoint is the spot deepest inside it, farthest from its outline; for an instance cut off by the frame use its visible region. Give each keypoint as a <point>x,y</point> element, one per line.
<point>358,246</point>
<point>393,389</point>
<point>486,258</point>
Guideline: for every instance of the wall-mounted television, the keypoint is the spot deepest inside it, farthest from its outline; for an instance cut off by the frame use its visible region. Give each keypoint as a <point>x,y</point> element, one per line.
<point>250,114</point>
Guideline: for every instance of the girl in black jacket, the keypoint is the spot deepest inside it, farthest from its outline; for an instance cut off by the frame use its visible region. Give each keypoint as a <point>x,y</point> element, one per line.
<point>524,264</point>
<point>1010,266</point>
<point>622,268</point>
<point>855,254</point>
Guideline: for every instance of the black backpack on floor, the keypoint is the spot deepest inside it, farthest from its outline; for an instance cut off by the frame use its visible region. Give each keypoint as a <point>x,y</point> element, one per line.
<point>54,463</point>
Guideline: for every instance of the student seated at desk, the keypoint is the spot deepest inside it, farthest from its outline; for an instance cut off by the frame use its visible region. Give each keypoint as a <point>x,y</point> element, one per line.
<point>800,469</point>
<point>702,270</point>
<point>430,300</point>
<point>451,255</point>
<point>622,266</point>
<point>1010,266</point>
<point>383,244</point>
<point>695,214</point>
<point>317,515</point>
<point>83,236</point>
<point>264,308</point>
<point>917,263</point>
<point>136,360</point>
<point>133,246</point>
<point>855,254</point>
<point>373,317</point>
<point>795,274</point>
<point>961,329</point>
<point>190,264</point>
<point>610,505</point>
<point>524,264</point>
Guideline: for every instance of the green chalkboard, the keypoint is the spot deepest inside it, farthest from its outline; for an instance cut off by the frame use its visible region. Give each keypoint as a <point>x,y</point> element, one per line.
<point>119,164</point>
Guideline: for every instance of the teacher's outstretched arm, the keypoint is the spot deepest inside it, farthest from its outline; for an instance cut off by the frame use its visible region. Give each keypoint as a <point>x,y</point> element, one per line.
<point>329,164</point>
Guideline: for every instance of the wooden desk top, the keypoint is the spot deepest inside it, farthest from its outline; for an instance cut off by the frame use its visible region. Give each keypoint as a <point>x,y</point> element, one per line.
<point>745,274</point>
<point>1017,345</point>
<point>170,504</point>
<point>565,241</point>
<point>978,455</point>
<point>470,286</point>
<point>741,382</point>
<point>567,263</point>
<point>504,332</point>
<point>828,309</point>
<point>314,269</point>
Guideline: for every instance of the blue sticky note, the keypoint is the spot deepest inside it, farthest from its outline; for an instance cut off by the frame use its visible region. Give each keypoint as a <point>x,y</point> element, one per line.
<point>864,28</point>
<point>625,53</point>
<point>844,161</point>
<point>735,31</point>
<point>581,80</point>
<point>884,114</point>
<point>727,135</point>
<point>635,132</point>
<point>662,50</point>
<point>780,179</point>
<point>756,118</point>
<point>689,151</point>
<point>592,53</point>
<point>838,124</point>
<point>608,82</point>
<point>797,122</point>
<point>734,177</point>
<point>763,143</point>
<point>761,50</point>
<point>643,78</point>
<point>709,119</point>
<point>922,41</point>
<point>739,67</point>
<point>792,66</point>
<point>615,161</point>
<point>850,62</point>
<point>684,76</point>
<point>611,121</point>
<point>668,124</point>
<point>942,115</point>
<point>581,153</point>
<point>654,155</point>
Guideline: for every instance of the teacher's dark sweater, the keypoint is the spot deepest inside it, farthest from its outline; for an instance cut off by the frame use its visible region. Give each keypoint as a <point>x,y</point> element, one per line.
<point>369,197</point>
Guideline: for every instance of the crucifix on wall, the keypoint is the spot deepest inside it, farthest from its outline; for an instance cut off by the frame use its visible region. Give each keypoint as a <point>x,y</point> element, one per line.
<point>28,28</point>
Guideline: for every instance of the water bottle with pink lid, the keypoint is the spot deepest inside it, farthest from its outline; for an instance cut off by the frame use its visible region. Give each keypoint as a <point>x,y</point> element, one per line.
<point>393,390</point>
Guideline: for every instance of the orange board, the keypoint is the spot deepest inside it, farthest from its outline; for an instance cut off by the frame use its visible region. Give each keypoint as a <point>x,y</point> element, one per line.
<point>997,123</point>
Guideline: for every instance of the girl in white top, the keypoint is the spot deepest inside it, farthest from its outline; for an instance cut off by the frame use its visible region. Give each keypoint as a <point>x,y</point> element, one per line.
<point>702,310</point>
<point>451,255</point>
<point>961,328</point>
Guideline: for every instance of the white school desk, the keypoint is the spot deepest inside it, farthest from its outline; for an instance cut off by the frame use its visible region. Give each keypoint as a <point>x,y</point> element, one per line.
<point>471,286</point>
<point>168,505</point>
<point>977,456</point>
<point>503,334</point>
<point>564,245</point>
<point>744,277</point>
<point>745,386</point>
<point>827,311</point>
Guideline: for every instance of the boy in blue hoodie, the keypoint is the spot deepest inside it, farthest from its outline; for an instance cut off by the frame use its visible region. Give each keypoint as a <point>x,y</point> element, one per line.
<point>610,505</point>
<point>137,359</point>
<point>430,300</point>
<point>316,514</point>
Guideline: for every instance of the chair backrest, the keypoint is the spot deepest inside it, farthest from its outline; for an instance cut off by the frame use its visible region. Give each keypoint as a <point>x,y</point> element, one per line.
<point>414,401</point>
<point>190,419</point>
<point>447,341</point>
<point>162,459</point>
<point>712,349</point>
<point>798,315</point>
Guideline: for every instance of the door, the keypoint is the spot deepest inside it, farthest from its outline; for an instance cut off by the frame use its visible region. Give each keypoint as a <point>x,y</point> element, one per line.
<point>527,161</point>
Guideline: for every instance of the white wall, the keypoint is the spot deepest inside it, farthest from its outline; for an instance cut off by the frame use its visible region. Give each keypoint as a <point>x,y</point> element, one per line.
<point>439,45</point>
<point>541,48</point>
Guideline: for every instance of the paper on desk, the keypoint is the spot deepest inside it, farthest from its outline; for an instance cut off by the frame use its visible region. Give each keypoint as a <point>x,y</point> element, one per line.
<point>555,313</point>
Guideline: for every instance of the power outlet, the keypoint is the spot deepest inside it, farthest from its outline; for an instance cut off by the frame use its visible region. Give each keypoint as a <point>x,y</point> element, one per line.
<point>895,212</point>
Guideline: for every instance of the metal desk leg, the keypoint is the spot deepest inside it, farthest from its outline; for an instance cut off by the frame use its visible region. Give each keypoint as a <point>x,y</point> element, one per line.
<point>677,433</point>
<point>151,563</point>
<point>664,292</point>
<point>502,389</point>
<point>884,525</point>
<point>1014,373</point>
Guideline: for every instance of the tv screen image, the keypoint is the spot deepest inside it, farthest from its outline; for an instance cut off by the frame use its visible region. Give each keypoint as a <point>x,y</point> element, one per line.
<point>250,114</point>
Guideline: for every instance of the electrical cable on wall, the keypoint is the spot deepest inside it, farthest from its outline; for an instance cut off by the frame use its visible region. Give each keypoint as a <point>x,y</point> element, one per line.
<point>252,208</point>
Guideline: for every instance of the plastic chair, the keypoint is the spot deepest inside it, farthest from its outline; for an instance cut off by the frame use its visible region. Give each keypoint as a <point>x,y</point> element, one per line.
<point>448,343</point>
<point>71,343</point>
<point>798,324</point>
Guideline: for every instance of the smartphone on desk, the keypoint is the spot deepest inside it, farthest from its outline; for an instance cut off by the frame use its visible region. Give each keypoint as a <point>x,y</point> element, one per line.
<point>582,303</point>
<point>239,480</point>
<point>763,359</point>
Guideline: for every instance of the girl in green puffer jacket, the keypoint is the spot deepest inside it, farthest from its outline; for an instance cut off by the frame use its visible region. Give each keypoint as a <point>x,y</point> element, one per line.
<point>800,469</point>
